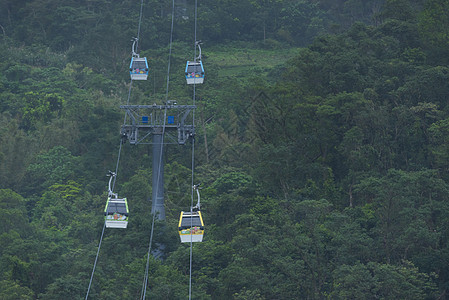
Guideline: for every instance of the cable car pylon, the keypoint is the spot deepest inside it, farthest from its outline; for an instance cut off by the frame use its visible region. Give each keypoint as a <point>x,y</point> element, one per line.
<point>158,125</point>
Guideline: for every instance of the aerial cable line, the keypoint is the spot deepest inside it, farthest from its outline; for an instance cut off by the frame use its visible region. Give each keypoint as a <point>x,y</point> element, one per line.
<point>193,165</point>
<point>121,140</point>
<point>129,93</point>
<point>140,22</point>
<point>144,288</point>
<point>191,219</point>
<point>170,48</point>
<point>113,185</point>
<point>95,263</point>
<point>147,266</point>
<point>118,157</point>
<point>145,281</point>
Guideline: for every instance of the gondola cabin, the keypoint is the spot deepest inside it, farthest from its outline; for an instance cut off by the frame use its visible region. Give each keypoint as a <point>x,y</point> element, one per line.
<point>138,69</point>
<point>191,227</point>
<point>194,72</point>
<point>116,213</point>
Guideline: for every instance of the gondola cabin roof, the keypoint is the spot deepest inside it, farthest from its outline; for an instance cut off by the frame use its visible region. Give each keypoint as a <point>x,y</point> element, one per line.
<point>194,72</point>
<point>191,227</point>
<point>116,213</point>
<point>138,68</point>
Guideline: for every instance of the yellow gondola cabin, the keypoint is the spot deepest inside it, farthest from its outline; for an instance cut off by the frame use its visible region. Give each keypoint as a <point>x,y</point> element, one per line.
<point>191,227</point>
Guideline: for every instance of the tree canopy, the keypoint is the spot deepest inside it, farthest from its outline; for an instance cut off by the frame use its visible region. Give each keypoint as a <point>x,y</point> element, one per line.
<point>321,148</point>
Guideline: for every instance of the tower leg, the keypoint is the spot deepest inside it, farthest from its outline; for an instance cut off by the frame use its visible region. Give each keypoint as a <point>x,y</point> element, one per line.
<point>158,178</point>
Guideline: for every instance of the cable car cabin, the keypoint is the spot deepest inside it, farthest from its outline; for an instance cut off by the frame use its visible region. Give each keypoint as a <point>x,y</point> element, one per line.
<point>116,213</point>
<point>138,69</point>
<point>194,72</point>
<point>191,226</point>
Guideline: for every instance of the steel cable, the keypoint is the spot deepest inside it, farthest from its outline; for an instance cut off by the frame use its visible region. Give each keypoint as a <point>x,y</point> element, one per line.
<point>193,166</point>
<point>145,281</point>
<point>118,159</point>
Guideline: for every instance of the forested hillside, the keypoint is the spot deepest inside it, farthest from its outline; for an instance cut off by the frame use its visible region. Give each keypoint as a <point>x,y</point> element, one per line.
<point>322,133</point>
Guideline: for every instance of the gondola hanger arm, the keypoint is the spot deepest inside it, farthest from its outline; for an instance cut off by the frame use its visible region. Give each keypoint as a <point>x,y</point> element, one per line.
<point>197,207</point>
<point>199,48</point>
<point>134,47</point>
<point>110,193</point>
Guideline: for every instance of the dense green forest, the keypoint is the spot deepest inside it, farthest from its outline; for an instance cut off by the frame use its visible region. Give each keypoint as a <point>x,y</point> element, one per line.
<point>322,146</point>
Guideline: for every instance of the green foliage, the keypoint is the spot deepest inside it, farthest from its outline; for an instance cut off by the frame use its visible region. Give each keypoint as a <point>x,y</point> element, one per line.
<point>13,212</point>
<point>323,169</point>
<point>10,290</point>
<point>39,108</point>
<point>60,205</point>
<point>379,280</point>
<point>433,28</point>
<point>302,14</point>
<point>231,181</point>
<point>405,203</point>
<point>54,167</point>
<point>438,135</point>
<point>353,282</point>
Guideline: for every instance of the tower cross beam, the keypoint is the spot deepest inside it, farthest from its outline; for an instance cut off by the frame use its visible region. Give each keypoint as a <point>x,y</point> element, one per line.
<point>145,121</point>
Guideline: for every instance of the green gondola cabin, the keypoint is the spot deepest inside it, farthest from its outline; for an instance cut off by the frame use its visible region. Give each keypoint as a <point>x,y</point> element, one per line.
<point>116,213</point>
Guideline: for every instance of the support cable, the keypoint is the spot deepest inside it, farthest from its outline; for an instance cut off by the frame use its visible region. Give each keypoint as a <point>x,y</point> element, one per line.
<point>118,157</point>
<point>113,185</point>
<point>121,141</point>
<point>170,47</point>
<point>140,22</point>
<point>191,220</point>
<point>95,263</point>
<point>193,168</point>
<point>129,93</point>
<point>145,284</point>
<point>145,281</point>
<point>147,267</point>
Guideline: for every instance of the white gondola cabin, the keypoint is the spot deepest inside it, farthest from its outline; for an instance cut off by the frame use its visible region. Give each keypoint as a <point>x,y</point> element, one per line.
<point>116,213</point>
<point>138,68</point>
<point>191,227</point>
<point>194,72</point>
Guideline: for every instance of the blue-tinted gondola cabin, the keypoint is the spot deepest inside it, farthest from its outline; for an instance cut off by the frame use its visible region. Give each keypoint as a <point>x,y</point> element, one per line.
<point>191,227</point>
<point>138,68</point>
<point>194,72</point>
<point>116,213</point>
